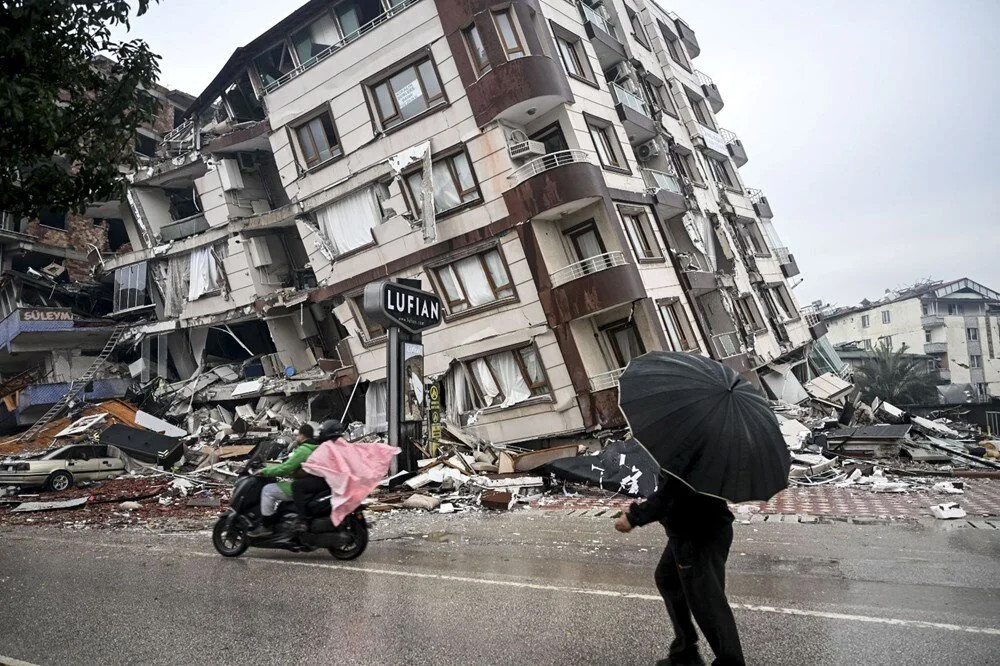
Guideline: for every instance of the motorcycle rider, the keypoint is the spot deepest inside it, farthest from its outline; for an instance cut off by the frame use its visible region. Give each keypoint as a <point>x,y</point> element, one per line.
<point>274,493</point>
<point>307,486</point>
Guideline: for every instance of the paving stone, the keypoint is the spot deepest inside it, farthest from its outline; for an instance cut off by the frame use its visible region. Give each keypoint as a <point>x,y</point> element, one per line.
<point>865,520</point>
<point>808,519</point>
<point>756,518</point>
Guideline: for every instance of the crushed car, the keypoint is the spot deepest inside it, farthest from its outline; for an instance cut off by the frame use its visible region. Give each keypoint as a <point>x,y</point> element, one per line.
<point>63,467</point>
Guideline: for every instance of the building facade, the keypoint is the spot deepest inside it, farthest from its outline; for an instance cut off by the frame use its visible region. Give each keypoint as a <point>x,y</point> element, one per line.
<point>555,172</point>
<point>956,323</point>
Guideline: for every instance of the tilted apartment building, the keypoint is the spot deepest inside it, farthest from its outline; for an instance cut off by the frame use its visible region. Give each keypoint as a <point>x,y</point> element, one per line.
<point>957,323</point>
<point>555,172</point>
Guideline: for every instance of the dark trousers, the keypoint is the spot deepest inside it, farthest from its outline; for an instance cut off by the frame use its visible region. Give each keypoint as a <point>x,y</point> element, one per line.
<point>691,577</point>
<point>304,489</point>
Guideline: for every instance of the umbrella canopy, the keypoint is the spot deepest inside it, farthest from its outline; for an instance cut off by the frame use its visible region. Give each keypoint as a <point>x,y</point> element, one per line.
<point>706,425</point>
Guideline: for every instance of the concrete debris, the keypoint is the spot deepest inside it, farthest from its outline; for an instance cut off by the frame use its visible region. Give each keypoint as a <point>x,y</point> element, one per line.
<point>26,507</point>
<point>500,500</point>
<point>948,511</point>
<point>420,501</point>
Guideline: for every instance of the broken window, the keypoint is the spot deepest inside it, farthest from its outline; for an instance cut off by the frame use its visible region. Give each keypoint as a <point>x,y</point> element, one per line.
<point>348,222</point>
<point>145,145</point>
<point>130,287</point>
<point>454,183</point>
<point>274,63</point>
<point>474,42</point>
<point>52,218</point>
<point>570,52</point>
<point>680,336</point>
<point>720,169</point>
<point>315,38</point>
<point>474,281</point>
<point>204,273</point>
<point>685,166</point>
<point>782,301</point>
<point>509,377</point>
<point>317,139</point>
<point>750,312</point>
<point>756,239</point>
<point>183,203</point>
<point>657,97</point>
<point>407,93</point>
<point>625,342</point>
<point>353,15</point>
<point>376,407</point>
<point>241,103</point>
<point>510,37</point>
<point>373,329</point>
<point>640,234</point>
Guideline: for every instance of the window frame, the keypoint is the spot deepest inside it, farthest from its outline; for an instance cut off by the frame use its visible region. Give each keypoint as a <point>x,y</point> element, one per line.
<point>751,312</point>
<point>481,65</point>
<point>702,114</point>
<point>608,330</point>
<point>686,167</point>
<point>720,170</point>
<point>684,330</point>
<point>296,126</point>
<point>638,29</point>
<point>783,301</point>
<point>886,317</point>
<point>449,155</point>
<point>975,361</point>
<point>643,227</point>
<point>366,325</point>
<point>612,144</point>
<point>532,385</point>
<point>866,321</point>
<point>521,50</point>
<point>499,300</point>
<point>757,240</point>
<point>384,77</point>
<point>578,230</point>
<point>972,334</point>
<point>675,49</point>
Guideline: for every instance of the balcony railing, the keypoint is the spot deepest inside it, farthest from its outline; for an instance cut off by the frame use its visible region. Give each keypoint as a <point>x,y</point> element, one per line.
<point>932,321</point>
<point>812,319</point>
<point>727,135</point>
<point>630,100</point>
<point>935,347</point>
<point>661,180</point>
<point>727,345</point>
<point>592,16</point>
<point>606,380</point>
<point>754,194</point>
<point>589,266</point>
<point>703,78</point>
<point>546,162</point>
<point>325,53</point>
<point>783,255</point>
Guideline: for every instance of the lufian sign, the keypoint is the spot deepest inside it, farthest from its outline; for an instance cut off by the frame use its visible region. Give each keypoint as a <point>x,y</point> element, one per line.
<point>394,304</point>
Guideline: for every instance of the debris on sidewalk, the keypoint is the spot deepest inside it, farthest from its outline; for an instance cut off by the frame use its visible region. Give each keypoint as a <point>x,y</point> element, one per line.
<point>948,511</point>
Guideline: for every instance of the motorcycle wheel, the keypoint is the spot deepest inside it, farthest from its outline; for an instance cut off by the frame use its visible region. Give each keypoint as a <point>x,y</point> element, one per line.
<point>358,532</point>
<point>231,543</point>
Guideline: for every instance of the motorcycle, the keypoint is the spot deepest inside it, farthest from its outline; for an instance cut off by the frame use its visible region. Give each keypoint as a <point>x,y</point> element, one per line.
<point>231,534</point>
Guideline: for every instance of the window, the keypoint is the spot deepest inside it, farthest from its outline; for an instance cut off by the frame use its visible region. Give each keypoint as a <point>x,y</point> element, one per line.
<point>552,138</point>
<point>356,14</point>
<point>377,407</point>
<point>782,301</point>
<point>954,309</point>
<point>52,218</point>
<point>638,31</point>
<point>274,63</point>
<point>625,342</point>
<point>685,166</point>
<point>867,344</point>
<point>927,336</point>
<point>756,239</point>
<point>477,280</point>
<point>975,361</point>
<point>751,313</point>
<point>658,97</point>
<point>885,341</point>
<point>347,222</point>
<point>204,273</point>
<point>477,51</point>
<point>640,233</point>
<point>454,184</point>
<point>130,287</point>
<point>972,334</point>
<point>587,243</point>
<point>720,170</point>
<point>606,143</point>
<point>373,329</point>
<point>886,317</point>
<point>574,58</point>
<point>315,38</point>
<point>674,47</point>
<point>317,140</point>
<point>866,321</point>
<point>407,93</point>
<point>509,36</point>
<point>182,203</point>
<point>678,327</point>
<point>510,377</point>
<point>700,110</point>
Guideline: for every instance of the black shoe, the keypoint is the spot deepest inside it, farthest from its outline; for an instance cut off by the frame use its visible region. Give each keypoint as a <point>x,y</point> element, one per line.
<point>261,531</point>
<point>685,660</point>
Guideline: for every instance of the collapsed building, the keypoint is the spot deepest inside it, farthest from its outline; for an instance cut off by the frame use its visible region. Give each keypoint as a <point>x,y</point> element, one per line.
<point>555,172</point>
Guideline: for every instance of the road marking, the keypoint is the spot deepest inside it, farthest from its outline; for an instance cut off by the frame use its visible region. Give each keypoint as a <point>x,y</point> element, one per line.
<point>802,612</point>
<point>10,661</point>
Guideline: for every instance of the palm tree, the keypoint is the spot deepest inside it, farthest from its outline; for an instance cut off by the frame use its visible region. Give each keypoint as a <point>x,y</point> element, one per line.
<point>896,377</point>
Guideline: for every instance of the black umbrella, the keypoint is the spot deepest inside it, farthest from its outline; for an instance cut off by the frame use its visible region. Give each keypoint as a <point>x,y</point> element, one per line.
<point>706,425</point>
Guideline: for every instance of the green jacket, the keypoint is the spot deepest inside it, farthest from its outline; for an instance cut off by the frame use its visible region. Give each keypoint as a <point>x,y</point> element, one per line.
<point>291,465</point>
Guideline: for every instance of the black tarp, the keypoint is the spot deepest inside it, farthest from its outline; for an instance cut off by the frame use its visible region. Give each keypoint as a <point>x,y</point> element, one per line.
<point>144,445</point>
<point>623,466</point>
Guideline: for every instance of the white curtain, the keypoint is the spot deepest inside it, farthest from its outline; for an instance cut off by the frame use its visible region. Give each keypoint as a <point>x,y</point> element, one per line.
<point>497,270</point>
<point>459,398</point>
<point>376,414</point>
<point>511,380</point>
<point>445,193</point>
<point>473,278</point>
<point>485,379</point>
<point>347,222</point>
<point>203,273</point>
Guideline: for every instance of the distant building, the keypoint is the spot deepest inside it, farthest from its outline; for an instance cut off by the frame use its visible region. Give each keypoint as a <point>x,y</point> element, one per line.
<point>955,323</point>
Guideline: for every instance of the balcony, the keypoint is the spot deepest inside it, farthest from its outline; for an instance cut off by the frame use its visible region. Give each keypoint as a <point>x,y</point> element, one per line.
<point>667,192</point>
<point>817,327</point>
<point>727,349</point>
<point>712,94</point>
<point>711,142</point>
<point>36,399</point>
<point>932,321</point>
<point>189,226</point>
<point>735,147</point>
<point>606,380</point>
<point>603,37</point>
<point>699,282</point>
<point>935,347</point>
<point>686,34</point>
<point>45,329</point>
<point>587,287</point>
<point>760,204</point>
<point>634,114</point>
<point>789,267</point>
<point>553,185</point>
<point>512,89</point>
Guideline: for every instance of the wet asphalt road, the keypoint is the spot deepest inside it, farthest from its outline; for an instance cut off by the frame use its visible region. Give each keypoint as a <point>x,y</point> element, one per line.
<point>524,588</point>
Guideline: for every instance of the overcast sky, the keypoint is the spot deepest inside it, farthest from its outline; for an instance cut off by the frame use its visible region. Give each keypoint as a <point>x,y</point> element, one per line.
<point>871,126</point>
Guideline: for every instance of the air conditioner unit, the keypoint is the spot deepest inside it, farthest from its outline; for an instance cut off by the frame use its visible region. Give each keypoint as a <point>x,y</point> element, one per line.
<point>524,149</point>
<point>622,70</point>
<point>260,251</point>
<point>648,150</point>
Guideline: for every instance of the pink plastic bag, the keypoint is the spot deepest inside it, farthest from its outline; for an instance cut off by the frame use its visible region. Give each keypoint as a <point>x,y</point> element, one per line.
<point>351,470</point>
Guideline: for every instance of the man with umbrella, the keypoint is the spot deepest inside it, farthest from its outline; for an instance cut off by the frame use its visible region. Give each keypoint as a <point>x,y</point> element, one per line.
<point>715,438</point>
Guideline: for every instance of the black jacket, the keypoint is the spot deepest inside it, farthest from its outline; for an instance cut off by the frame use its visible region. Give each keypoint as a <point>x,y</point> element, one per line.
<point>682,511</point>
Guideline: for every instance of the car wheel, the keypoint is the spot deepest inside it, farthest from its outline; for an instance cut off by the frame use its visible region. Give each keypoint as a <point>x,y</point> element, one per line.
<point>59,481</point>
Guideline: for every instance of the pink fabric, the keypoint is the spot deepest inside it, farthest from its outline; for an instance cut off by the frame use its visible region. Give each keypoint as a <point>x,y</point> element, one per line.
<point>351,470</point>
